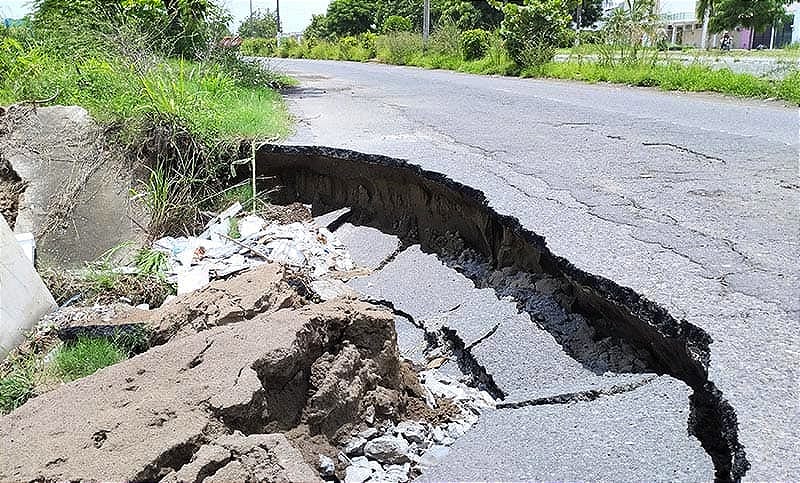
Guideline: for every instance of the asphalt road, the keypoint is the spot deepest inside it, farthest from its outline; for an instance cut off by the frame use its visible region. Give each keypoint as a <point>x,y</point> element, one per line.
<point>691,200</point>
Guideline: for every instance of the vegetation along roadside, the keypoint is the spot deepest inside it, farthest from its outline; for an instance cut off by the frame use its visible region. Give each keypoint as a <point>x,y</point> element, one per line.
<point>627,46</point>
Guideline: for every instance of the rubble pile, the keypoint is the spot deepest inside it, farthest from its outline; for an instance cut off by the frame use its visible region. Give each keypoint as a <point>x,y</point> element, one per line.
<point>231,244</point>
<point>399,452</point>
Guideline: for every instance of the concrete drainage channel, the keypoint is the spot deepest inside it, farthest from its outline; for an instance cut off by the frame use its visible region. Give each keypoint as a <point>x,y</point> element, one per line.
<point>581,367</point>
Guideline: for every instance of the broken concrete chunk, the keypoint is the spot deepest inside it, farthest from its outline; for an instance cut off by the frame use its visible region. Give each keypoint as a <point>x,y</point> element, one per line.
<point>332,220</point>
<point>326,466</point>
<point>369,247</point>
<point>23,296</point>
<point>412,431</point>
<point>387,449</point>
<point>355,447</point>
<point>357,474</point>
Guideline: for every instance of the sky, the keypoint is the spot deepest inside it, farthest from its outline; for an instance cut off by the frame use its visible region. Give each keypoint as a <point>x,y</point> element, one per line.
<point>295,14</point>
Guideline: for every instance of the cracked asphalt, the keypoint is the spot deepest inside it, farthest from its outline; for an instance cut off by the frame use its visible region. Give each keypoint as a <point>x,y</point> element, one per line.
<point>691,200</point>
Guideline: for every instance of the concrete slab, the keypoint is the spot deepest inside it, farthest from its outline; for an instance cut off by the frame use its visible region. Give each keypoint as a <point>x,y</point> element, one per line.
<point>526,363</point>
<point>368,247</point>
<point>410,339</point>
<point>333,219</point>
<point>420,285</point>
<point>634,436</point>
<point>77,201</point>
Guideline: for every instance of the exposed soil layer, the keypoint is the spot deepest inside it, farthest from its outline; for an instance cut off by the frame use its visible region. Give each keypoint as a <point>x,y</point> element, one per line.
<point>213,403</point>
<point>11,187</point>
<point>428,208</point>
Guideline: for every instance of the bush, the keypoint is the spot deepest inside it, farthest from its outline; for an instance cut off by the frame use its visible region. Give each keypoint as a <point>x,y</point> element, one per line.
<point>446,38</point>
<point>533,30</point>
<point>399,48</point>
<point>258,47</point>
<point>396,23</point>
<point>474,44</point>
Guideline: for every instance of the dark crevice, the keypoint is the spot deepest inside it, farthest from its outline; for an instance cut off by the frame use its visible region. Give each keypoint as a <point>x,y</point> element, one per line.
<point>479,378</point>
<point>171,460</point>
<point>573,397</point>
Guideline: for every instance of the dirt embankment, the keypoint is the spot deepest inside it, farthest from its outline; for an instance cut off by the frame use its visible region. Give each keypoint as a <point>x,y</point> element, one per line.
<point>251,382</point>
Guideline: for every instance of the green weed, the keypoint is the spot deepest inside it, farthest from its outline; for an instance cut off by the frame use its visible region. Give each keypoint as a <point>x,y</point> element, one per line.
<point>85,357</point>
<point>18,384</point>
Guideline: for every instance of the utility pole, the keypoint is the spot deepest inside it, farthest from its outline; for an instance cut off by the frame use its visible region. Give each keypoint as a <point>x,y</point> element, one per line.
<point>579,17</point>
<point>426,23</point>
<point>278,14</point>
<point>251,8</point>
<point>706,17</point>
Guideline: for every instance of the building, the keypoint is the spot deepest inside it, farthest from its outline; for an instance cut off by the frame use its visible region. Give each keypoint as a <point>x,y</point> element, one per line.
<point>684,28</point>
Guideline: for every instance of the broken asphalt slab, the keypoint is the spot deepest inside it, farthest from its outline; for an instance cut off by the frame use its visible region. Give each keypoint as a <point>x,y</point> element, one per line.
<point>533,367</point>
<point>369,247</point>
<point>640,434</point>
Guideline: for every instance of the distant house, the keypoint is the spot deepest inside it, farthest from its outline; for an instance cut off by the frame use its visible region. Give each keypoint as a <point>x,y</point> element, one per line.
<point>684,28</point>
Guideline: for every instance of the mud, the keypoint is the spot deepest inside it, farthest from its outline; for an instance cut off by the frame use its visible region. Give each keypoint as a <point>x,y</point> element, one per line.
<point>428,208</point>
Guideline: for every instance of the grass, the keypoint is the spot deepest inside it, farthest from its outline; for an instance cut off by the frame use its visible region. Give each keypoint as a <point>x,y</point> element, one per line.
<point>86,356</point>
<point>676,77</point>
<point>18,383</point>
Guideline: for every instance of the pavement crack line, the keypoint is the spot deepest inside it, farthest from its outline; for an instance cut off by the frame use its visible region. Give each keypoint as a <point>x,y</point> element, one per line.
<point>685,150</point>
<point>581,396</point>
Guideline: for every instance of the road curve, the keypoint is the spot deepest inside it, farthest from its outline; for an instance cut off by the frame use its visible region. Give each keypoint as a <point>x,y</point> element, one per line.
<point>691,200</point>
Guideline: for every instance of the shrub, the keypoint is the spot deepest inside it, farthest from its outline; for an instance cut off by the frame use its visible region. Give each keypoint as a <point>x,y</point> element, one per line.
<point>446,38</point>
<point>368,41</point>
<point>399,47</point>
<point>259,47</point>
<point>474,44</point>
<point>533,30</point>
<point>396,23</point>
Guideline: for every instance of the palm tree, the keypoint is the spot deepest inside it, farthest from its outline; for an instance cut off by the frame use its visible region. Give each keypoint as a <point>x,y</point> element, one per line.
<point>704,9</point>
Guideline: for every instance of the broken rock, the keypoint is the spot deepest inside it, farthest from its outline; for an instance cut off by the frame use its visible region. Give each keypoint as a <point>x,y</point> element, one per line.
<point>387,449</point>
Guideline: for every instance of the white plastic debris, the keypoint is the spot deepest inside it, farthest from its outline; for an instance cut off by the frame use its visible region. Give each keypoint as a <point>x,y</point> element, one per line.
<point>27,243</point>
<point>192,279</point>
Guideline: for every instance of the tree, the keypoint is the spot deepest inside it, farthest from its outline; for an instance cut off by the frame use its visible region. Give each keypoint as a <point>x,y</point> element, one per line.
<point>533,30</point>
<point>317,29</point>
<point>590,11</point>
<point>754,14</point>
<point>351,17</point>
<point>262,24</point>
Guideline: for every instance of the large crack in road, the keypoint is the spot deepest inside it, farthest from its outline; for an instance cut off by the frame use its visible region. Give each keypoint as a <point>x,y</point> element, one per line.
<point>630,337</point>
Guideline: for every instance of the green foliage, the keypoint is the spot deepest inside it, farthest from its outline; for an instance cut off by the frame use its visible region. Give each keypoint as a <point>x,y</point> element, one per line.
<point>755,14</point>
<point>317,29</point>
<point>474,44</point>
<point>396,23</point>
<point>86,356</point>
<point>591,11</point>
<point>533,30</point>
<point>675,76</point>
<point>350,17</point>
<point>233,228</point>
<point>17,383</point>
<point>151,262</point>
<point>625,32</point>
<point>468,15</point>
<point>262,24</point>
<point>399,48</point>
<point>446,38</point>
<point>258,47</point>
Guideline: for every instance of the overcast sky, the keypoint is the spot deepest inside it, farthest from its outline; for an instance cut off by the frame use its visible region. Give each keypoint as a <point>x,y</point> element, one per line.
<point>295,14</point>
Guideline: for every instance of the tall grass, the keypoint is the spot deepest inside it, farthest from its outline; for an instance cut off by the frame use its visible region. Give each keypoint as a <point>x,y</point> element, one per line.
<point>86,356</point>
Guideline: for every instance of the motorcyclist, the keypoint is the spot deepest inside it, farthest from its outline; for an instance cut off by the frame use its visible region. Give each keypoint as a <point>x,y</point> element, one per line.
<point>727,41</point>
